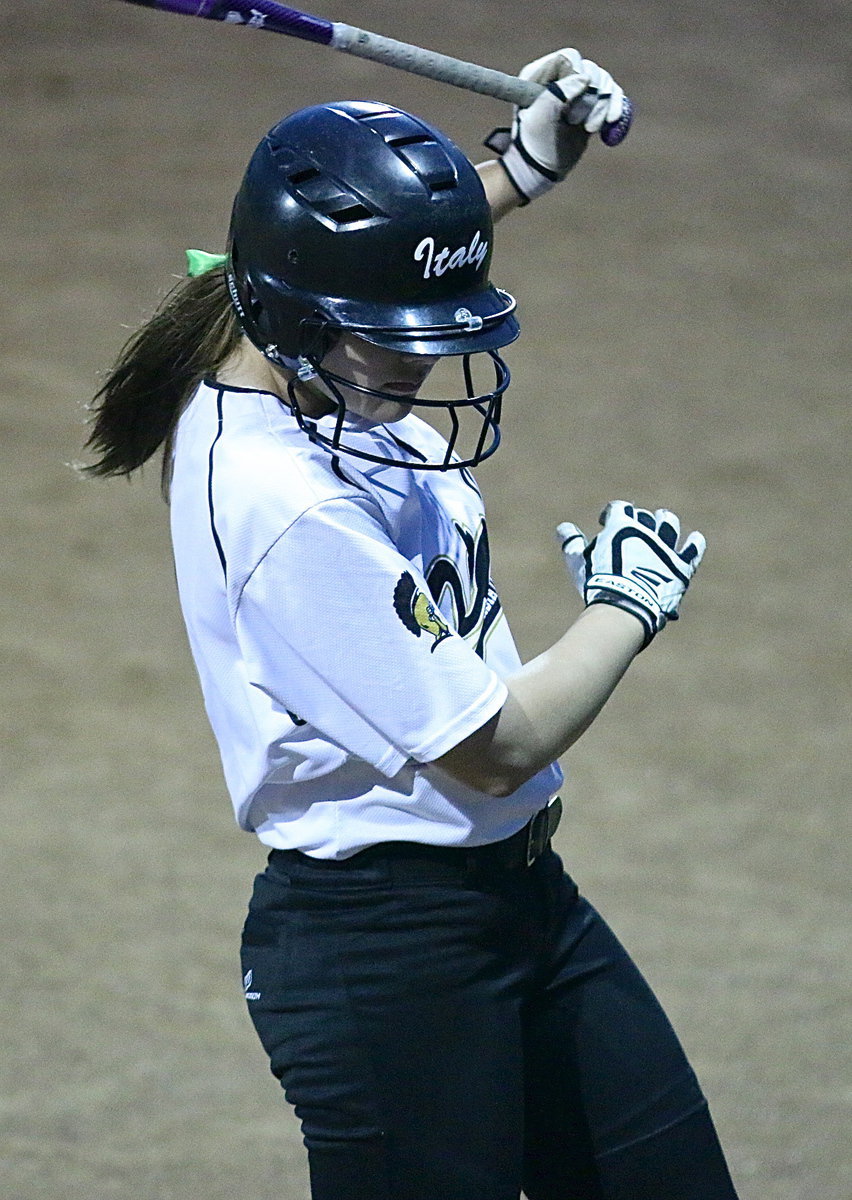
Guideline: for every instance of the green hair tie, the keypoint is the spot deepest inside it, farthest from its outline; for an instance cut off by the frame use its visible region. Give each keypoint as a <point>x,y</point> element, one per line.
<point>199,262</point>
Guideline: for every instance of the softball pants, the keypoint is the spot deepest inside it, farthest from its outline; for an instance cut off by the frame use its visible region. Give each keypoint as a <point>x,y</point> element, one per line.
<point>450,1031</point>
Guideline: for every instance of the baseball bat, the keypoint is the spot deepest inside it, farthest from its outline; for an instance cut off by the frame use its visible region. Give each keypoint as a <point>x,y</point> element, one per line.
<point>278,18</point>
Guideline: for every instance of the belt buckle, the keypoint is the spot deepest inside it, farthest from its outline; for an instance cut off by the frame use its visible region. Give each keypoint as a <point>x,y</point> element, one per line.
<point>536,836</point>
<point>541,829</point>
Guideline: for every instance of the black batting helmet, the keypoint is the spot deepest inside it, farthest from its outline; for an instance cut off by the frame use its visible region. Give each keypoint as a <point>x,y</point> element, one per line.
<point>358,216</point>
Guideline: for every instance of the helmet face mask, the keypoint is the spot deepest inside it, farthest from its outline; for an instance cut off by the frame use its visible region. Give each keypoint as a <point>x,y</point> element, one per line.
<point>486,405</point>
<point>360,218</point>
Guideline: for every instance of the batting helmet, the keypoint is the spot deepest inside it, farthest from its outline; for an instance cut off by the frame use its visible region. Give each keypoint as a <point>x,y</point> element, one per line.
<point>360,217</point>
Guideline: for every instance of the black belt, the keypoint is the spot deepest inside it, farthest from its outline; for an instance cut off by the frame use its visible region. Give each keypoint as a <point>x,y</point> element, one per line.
<point>518,851</point>
<point>528,844</point>
<point>539,831</point>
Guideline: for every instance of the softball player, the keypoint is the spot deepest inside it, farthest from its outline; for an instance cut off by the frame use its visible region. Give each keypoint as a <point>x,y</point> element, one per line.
<point>450,1019</point>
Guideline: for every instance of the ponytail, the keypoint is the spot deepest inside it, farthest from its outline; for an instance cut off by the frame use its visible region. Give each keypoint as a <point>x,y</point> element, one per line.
<point>137,409</point>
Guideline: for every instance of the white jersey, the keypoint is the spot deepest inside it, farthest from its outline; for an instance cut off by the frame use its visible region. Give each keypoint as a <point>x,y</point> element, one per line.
<point>344,626</point>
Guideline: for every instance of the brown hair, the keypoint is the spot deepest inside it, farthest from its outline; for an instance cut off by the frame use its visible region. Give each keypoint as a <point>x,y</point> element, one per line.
<point>136,410</point>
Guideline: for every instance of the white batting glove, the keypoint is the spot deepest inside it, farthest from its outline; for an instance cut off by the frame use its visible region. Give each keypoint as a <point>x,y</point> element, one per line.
<point>634,563</point>
<point>548,138</point>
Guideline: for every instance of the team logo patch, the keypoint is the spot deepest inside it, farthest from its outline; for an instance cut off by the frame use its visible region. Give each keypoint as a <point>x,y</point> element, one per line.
<point>417,612</point>
<point>474,599</point>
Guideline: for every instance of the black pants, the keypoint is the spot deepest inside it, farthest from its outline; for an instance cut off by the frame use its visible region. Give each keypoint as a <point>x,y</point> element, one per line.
<point>447,1032</point>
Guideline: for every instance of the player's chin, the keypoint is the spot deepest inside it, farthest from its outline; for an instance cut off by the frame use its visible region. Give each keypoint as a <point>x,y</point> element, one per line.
<point>396,412</point>
<point>386,412</point>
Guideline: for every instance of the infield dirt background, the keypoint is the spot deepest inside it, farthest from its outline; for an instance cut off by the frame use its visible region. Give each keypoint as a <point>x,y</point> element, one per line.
<point>685,343</point>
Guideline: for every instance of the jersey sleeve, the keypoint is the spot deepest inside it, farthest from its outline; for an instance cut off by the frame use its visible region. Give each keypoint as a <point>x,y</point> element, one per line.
<point>338,628</point>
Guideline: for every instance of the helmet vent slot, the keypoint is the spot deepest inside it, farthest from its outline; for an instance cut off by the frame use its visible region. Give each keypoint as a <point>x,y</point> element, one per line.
<point>303,176</point>
<point>351,214</point>
<point>416,145</point>
<point>325,197</point>
<point>430,162</point>
<point>409,140</point>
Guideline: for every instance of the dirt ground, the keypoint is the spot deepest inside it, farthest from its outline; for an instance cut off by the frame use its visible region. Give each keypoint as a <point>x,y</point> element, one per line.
<point>684,344</point>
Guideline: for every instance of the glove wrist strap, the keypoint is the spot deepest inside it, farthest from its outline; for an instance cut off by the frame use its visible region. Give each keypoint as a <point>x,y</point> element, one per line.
<point>621,593</point>
<point>530,179</point>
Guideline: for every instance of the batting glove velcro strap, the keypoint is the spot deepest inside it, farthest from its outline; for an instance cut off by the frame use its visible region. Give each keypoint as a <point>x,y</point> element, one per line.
<point>634,563</point>
<point>549,137</point>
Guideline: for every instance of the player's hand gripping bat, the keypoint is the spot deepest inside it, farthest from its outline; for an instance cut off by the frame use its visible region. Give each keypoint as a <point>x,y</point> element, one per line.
<point>278,18</point>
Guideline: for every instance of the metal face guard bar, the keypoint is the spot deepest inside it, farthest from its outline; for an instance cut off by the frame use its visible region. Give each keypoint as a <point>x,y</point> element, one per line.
<point>487,404</point>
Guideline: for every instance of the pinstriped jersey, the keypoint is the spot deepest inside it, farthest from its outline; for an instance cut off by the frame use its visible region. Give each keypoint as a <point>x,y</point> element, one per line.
<point>344,625</point>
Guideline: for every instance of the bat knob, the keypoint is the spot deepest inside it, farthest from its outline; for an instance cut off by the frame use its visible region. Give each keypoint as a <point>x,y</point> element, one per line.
<point>614,132</point>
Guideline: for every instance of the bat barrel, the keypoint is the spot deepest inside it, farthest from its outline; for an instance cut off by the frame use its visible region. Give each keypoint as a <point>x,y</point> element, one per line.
<point>260,14</point>
<point>278,18</point>
<point>187,8</point>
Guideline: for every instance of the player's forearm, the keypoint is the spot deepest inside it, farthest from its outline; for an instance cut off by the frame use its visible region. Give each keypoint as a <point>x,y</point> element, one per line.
<point>501,195</point>
<point>552,701</point>
<point>554,698</point>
